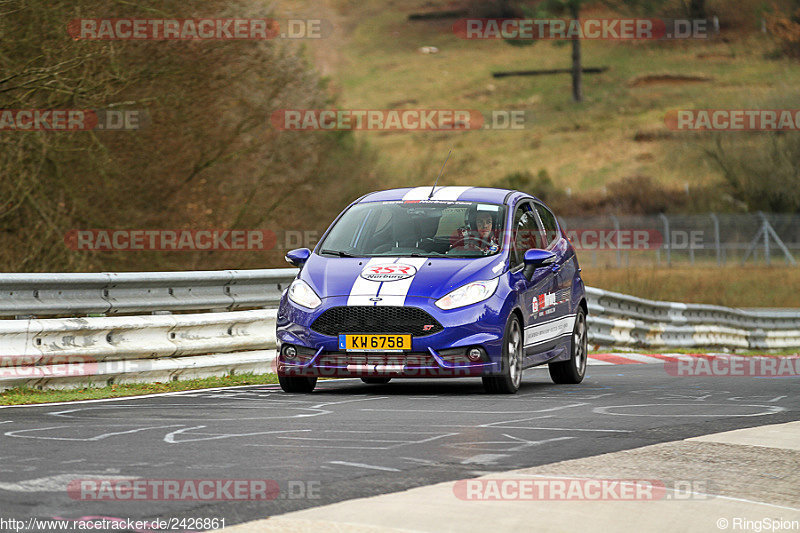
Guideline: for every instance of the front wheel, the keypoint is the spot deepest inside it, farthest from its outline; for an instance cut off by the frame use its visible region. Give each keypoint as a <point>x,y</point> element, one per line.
<point>509,381</point>
<point>573,370</point>
<point>297,384</point>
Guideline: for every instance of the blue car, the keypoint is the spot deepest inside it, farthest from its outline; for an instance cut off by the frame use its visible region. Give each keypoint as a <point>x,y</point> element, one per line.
<point>435,282</point>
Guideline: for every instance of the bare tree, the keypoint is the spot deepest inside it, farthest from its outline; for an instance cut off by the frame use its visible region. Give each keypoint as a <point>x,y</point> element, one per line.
<point>208,158</point>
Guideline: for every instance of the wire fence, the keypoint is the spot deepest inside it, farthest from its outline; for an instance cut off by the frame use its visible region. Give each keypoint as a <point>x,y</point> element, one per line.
<point>702,240</point>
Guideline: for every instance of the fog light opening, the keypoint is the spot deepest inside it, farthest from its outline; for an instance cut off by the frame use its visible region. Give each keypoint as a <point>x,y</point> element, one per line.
<point>289,351</point>
<point>475,354</point>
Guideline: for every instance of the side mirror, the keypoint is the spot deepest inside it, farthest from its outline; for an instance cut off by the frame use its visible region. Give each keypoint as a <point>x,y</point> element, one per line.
<point>535,258</point>
<point>298,257</point>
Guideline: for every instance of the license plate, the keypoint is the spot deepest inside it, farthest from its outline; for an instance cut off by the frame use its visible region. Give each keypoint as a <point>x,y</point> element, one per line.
<point>378,343</point>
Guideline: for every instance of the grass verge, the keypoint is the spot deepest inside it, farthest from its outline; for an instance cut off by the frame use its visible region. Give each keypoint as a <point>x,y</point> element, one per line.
<point>379,65</point>
<point>25,395</point>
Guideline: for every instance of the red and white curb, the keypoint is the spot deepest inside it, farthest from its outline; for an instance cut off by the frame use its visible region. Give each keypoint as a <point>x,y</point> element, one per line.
<point>651,358</point>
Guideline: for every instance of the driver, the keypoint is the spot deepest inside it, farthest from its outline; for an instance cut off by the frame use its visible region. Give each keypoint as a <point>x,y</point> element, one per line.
<point>484,223</point>
<point>478,233</point>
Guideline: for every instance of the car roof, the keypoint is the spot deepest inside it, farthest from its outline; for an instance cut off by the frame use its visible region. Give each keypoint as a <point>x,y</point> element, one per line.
<point>452,193</point>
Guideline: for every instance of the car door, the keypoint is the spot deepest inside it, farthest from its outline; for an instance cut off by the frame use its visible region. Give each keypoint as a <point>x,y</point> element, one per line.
<point>564,271</point>
<point>534,294</point>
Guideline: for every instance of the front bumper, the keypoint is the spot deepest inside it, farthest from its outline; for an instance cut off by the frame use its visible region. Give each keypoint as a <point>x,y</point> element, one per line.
<point>434,355</point>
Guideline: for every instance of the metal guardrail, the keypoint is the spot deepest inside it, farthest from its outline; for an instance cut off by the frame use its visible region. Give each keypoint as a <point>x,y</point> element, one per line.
<point>136,292</point>
<point>98,350</point>
<point>59,352</point>
<point>617,319</point>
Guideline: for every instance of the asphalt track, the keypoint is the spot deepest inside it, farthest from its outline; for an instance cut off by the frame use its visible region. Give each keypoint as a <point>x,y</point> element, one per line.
<point>350,440</point>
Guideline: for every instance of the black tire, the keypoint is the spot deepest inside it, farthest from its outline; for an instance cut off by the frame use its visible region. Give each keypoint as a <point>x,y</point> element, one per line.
<point>297,384</point>
<point>573,370</point>
<point>509,380</point>
<point>376,381</point>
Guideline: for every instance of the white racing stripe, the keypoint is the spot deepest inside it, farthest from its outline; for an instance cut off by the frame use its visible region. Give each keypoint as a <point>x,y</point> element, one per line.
<point>547,331</point>
<point>395,292</point>
<point>418,193</point>
<point>364,289</point>
<point>391,292</point>
<point>450,193</point>
<point>440,193</point>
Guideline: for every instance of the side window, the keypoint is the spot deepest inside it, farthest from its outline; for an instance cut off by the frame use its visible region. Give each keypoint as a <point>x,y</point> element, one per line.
<point>516,256</point>
<point>526,233</point>
<point>549,223</point>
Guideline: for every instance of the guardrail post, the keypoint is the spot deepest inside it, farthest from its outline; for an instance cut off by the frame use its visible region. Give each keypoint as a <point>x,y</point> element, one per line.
<point>771,231</point>
<point>616,233</point>
<point>766,237</point>
<point>667,238</point>
<point>766,230</point>
<point>716,238</point>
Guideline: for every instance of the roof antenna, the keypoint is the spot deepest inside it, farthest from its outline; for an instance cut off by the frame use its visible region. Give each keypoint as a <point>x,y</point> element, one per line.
<point>433,189</point>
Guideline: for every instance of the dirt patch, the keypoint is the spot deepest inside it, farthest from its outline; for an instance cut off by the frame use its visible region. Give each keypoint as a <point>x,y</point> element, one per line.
<point>711,55</point>
<point>401,103</point>
<point>667,79</point>
<point>652,135</point>
<point>326,53</point>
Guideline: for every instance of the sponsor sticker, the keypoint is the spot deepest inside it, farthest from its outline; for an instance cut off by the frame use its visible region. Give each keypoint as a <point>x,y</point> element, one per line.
<point>388,272</point>
<point>546,302</point>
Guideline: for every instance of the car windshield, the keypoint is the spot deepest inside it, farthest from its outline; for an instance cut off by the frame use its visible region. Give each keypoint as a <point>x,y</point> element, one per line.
<point>418,228</point>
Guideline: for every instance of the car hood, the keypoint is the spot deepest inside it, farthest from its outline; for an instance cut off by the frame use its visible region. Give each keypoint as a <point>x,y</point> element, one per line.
<point>396,276</point>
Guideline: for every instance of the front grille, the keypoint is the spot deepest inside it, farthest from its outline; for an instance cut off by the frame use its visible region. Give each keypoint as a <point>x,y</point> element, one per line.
<point>376,319</point>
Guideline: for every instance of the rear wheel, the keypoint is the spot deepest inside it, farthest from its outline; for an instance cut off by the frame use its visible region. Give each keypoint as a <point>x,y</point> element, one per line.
<point>376,381</point>
<point>509,381</point>
<point>573,370</point>
<point>297,384</point>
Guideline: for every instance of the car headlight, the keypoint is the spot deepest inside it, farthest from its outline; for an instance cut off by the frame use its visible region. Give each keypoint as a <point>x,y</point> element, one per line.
<point>471,293</point>
<point>302,294</point>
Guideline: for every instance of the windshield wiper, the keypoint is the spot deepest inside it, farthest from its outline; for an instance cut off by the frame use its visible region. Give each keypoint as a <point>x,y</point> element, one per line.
<point>336,252</point>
